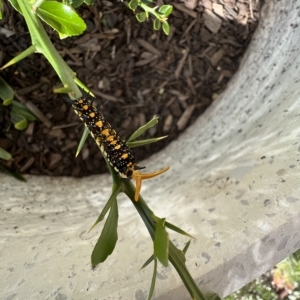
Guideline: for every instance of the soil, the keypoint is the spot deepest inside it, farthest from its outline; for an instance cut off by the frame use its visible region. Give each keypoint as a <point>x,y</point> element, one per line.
<point>134,71</point>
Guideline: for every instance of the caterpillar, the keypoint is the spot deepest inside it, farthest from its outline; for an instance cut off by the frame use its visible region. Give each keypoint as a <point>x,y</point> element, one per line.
<point>113,148</point>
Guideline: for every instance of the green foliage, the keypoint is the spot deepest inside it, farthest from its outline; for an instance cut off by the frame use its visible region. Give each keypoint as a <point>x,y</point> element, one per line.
<point>161,242</point>
<point>4,154</point>
<point>108,238</point>
<point>160,14</point>
<point>62,18</point>
<point>19,113</point>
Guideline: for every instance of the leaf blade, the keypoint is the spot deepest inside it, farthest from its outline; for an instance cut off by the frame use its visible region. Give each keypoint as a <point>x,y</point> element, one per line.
<point>62,18</point>
<point>161,242</point>
<point>108,237</point>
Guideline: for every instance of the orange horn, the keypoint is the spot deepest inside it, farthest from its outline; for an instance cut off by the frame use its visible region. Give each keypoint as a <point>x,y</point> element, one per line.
<point>139,177</point>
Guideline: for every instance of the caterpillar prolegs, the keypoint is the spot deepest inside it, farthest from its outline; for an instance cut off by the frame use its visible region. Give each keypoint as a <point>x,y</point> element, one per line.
<point>117,153</point>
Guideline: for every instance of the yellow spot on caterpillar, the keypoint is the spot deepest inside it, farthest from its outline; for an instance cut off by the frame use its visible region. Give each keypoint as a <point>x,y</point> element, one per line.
<point>114,142</point>
<point>129,164</point>
<point>80,101</point>
<point>124,156</point>
<point>99,124</point>
<point>92,115</point>
<point>85,107</point>
<point>105,132</point>
<point>117,147</point>
<point>110,138</point>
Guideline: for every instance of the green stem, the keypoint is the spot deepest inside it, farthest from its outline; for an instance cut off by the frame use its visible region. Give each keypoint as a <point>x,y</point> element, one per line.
<point>43,45</point>
<point>146,214</point>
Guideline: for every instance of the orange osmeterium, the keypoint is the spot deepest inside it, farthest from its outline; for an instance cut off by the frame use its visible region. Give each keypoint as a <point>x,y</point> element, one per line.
<point>139,177</point>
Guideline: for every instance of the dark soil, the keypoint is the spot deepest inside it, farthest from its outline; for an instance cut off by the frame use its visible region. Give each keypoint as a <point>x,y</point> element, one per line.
<point>135,72</point>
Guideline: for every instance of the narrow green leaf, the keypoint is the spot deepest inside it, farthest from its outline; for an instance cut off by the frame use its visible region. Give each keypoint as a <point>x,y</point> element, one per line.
<point>6,92</point>
<point>20,56</point>
<point>62,90</point>
<point>186,247</point>
<point>84,136</point>
<point>108,237</point>
<point>1,9</point>
<point>153,280</point>
<point>143,128</point>
<point>4,154</point>
<point>20,111</point>
<point>166,27</point>
<point>156,24</point>
<point>145,142</point>
<point>21,125</point>
<point>7,102</point>
<point>177,229</point>
<point>165,10</point>
<point>62,18</point>
<point>148,261</point>
<point>107,206</point>
<point>141,17</point>
<point>133,4</point>
<point>161,242</point>
<point>15,5</point>
<point>83,87</point>
<point>12,173</point>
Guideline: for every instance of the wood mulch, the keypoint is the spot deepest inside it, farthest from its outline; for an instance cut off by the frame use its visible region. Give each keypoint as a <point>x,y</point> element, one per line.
<point>134,71</point>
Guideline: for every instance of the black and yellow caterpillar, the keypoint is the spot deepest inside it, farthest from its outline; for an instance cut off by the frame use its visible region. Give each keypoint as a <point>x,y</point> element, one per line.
<point>117,153</point>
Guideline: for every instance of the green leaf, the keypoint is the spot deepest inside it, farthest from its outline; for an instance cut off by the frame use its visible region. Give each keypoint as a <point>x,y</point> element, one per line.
<point>161,242</point>
<point>21,125</point>
<point>148,261</point>
<point>1,9</point>
<point>165,10</point>
<point>108,237</point>
<point>166,27</point>
<point>107,206</point>
<point>19,112</point>
<point>20,56</point>
<point>6,92</point>
<point>156,24</point>
<point>4,154</point>
<point>84,136</point>
<point>177,229</point>
<point>133,4</point>
<point>145,142</point>
<point>143,128</point>
<point>153,280</point>
<point>62,18</point>
<point>141,17</point>
<point>186,247</point>
<point>15,5</point>
<point>12,173</point>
